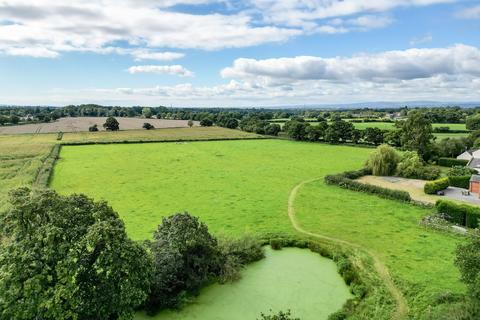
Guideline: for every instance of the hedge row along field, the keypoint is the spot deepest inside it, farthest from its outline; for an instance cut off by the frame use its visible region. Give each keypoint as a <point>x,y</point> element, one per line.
<point>239,187</point>
<point>462,214</point>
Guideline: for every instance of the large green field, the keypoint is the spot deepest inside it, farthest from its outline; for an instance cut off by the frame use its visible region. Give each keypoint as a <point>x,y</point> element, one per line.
<point>22,155</point>
<point>240,187</point>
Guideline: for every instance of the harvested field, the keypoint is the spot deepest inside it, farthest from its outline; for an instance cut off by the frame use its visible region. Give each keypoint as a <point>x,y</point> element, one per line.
<point>83,123</point>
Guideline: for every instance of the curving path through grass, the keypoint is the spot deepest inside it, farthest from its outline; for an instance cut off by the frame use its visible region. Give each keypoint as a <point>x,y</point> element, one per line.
<point>401,311</point>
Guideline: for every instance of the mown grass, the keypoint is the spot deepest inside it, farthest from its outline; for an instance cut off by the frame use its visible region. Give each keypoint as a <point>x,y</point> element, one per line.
<point>239,187</point>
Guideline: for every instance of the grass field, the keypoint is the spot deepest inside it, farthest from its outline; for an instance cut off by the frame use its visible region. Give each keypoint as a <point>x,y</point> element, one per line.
<point>21,155</point>
<point>315,290</point>
<point>240,187</point>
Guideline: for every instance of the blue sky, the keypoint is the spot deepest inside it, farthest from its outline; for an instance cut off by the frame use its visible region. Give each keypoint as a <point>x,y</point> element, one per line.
<point>238,53</point>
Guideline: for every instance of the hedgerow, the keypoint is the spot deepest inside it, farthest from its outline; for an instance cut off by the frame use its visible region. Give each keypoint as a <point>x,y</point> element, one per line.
<point>432,187</point>
<point>345,180</point>
<point>450,162</point>
<point>461,214</point>
<point>459,181</point>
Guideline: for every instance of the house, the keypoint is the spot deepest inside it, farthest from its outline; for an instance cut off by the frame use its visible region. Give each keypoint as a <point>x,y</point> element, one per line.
<point>473,158</point>
<point>475,184</point>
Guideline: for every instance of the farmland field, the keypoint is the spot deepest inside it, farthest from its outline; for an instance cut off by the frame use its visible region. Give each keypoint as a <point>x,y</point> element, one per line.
<point>315,290</point>
<point>22,155</point>
<point>240,187</point>
<point>79,124</point>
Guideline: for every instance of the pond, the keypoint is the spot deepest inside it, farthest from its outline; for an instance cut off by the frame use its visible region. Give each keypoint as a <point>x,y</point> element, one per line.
<point>291,278</point>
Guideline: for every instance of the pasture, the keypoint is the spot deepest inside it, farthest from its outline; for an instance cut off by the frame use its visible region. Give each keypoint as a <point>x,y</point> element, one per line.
<point>79,124</point>
<point>240,187</point>
<point>22,155</point>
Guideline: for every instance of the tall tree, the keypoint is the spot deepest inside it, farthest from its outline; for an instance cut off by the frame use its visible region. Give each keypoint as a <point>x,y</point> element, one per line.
<point>111,124</point>
<point>68,257</point>
<point>185,257</point>
<point>417,134</point>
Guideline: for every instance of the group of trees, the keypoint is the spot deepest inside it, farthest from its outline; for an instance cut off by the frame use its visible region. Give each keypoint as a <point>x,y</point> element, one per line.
<point>338,131</point>
<point>52,268</point>
<point>258,125</point>
<point>385,161</point>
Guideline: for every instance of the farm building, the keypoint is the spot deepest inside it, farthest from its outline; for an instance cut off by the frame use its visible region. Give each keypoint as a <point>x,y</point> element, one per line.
<point>473,158</point>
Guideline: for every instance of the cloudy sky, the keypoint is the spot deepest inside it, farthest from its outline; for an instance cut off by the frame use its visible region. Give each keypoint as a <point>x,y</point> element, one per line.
<point>238,53</point>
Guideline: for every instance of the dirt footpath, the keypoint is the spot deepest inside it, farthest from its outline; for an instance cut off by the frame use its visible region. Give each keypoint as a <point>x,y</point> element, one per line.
<point>83,123</point>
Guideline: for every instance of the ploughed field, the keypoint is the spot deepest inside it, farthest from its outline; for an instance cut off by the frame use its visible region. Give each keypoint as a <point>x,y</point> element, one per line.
<point>239,187</point>
<point>298,278</point>
<point>79,124</point>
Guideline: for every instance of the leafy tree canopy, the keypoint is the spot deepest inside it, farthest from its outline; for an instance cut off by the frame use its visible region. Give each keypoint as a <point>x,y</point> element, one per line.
<point>111,124</point>
<point>68,257</point>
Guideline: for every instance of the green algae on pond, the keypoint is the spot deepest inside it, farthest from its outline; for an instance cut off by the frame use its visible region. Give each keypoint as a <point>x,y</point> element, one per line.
<point>296,279</point>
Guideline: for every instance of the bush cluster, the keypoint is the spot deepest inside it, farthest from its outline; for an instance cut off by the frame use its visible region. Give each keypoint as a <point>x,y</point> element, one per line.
<point>461,214</point>
<point>450,162</point>
<point>345,180</point>
<point>459,181</point>
<point>432,187</point>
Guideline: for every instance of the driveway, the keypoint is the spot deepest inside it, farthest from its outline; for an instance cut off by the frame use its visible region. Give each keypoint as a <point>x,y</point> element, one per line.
<point>415,188</point>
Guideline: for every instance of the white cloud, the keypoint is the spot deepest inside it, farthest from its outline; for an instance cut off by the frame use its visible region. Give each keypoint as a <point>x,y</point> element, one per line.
<point>161,56</point>
<point>298,12</point>
<point>93,25</point>
<point>391,65</point>
<point>154,25</point>
<point>469,13</point>
<point>173,70</point>
<point>421,40</point>
<point>36,52</point>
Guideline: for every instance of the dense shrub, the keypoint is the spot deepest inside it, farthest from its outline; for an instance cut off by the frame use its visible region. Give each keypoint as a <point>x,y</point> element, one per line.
<point>273,129</point>
<point>461,214</point>
<point>411,166</point>
<point>93,128</point>
<point>148,126</point>
<point>278,316</point>
<point>206,122</point>
<point>432,187</point>
<point>237,253</point>
<point>346,183</point>
<point>450,162</point>
<point>339,315</point>
<point>457,171</point>
<point>276,244</point>
<point>459,181</point>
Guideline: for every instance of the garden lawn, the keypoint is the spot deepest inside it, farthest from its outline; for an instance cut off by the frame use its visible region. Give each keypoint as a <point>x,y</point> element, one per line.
<point>240,187</point>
